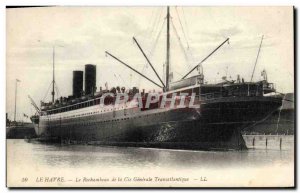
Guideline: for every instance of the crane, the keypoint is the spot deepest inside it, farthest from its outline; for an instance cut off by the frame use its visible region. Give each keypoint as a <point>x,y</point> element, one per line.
<point>34,104</point>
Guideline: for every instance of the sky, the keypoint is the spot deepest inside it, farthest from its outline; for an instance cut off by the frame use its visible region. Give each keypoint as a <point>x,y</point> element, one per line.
<point>81,35</point>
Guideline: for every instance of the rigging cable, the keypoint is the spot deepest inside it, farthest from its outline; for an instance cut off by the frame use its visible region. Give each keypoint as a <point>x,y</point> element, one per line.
<point>158,21</point>
<point>154,23</point>
<point>110,69</point>
<point>57,90</point>
<point>188,36</point>
<point>186,25</point>
<point>181,44</point>
<point>47,91</point>
<point>149,25</point>
<point>177,72</point>
<point>124,81</point>
<point>182,28</point>
<point>153,48</point>
<point>156,40</point>
<point>154,26</point>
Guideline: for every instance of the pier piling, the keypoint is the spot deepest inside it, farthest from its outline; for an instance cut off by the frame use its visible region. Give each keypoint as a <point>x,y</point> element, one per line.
<point>280,143</point>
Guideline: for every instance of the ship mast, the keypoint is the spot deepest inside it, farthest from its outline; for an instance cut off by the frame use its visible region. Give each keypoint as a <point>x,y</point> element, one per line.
<point>16,91</point>
<point>168,49</point>
<point>257,58</point>
<point>165,86</point>
<point>53,80</point>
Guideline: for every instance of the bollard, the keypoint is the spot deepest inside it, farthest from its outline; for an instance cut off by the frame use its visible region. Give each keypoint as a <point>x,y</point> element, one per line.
<point>280,143</point>
<point>253,142</point>
<point>266,142</point>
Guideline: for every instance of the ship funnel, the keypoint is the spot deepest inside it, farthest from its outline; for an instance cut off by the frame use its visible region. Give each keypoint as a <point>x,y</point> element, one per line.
<point>77,83</point>
<point>90,79</point>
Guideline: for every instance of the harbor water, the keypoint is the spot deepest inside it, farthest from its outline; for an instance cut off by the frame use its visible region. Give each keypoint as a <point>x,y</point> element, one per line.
<point>268,162</point>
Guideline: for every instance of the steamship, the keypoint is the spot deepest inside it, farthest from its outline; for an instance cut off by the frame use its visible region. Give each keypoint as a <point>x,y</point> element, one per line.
<point>215,121</point>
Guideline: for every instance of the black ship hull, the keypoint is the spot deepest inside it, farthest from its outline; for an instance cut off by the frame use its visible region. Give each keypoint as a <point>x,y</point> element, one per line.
<point>21,131</point>
<point>213,124</point>
<point>281,122</point>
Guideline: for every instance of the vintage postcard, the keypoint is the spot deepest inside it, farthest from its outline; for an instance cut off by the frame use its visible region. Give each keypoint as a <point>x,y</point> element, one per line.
<point>168,96</point>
